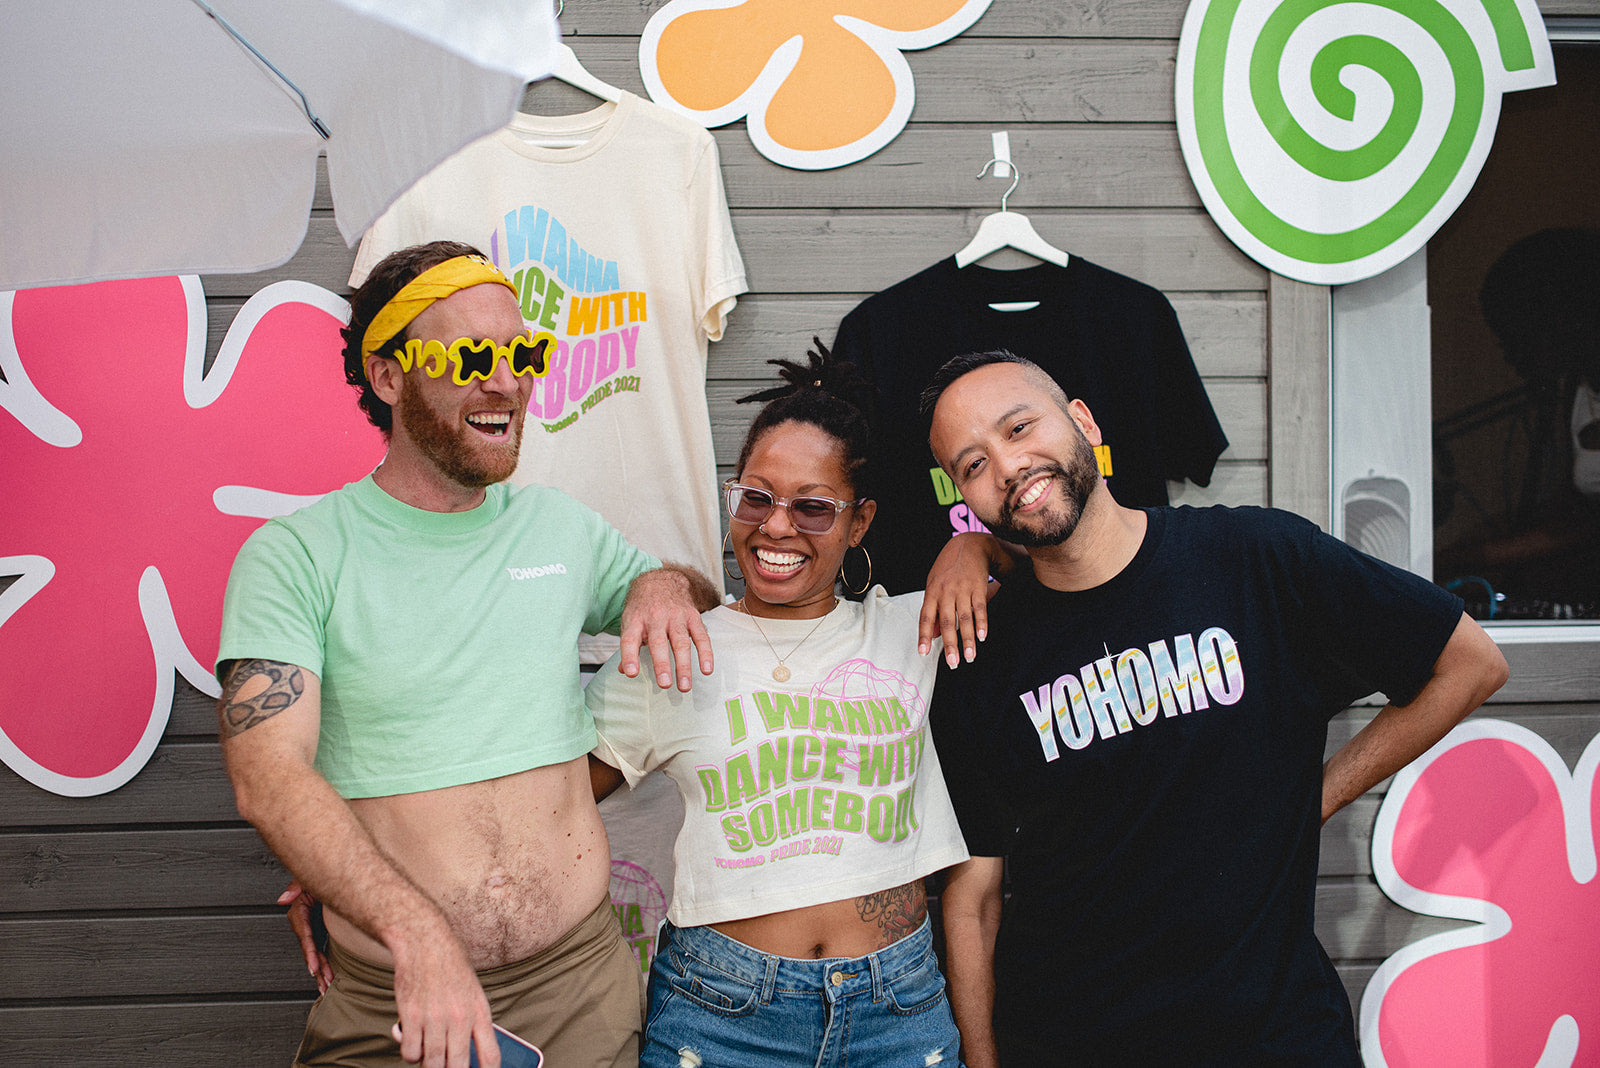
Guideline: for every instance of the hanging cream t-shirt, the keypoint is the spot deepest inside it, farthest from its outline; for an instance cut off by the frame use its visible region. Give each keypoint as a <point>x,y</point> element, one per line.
<point>619,244</point>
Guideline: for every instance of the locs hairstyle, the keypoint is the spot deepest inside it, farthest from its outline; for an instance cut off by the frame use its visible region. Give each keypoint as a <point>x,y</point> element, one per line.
<point>827,393</point>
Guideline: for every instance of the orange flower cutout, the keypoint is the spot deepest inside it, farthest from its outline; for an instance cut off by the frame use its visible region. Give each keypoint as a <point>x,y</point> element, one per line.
<point>822,84</point>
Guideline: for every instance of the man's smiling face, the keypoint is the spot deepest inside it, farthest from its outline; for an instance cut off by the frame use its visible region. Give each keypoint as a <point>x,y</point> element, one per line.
<point>1024,464</point>
<point>471,434</point>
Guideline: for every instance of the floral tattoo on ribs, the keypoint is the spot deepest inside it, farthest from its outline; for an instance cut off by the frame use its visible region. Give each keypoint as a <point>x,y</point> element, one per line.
<point>897,912</point>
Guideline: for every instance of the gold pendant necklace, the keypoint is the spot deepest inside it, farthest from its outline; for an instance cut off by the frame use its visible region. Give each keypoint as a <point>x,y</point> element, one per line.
<point>781,673</point>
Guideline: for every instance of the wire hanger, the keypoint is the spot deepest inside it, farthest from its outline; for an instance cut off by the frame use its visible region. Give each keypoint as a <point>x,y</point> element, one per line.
<point>1008,229</point>
<point>570,70</point>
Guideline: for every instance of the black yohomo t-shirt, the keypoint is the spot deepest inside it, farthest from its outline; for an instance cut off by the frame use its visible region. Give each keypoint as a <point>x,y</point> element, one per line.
<point>1109,340</point>
<point>1148,755</point>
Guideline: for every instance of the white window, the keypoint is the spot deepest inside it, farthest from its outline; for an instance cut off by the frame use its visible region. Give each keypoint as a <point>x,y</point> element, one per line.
<point>1466,381</point>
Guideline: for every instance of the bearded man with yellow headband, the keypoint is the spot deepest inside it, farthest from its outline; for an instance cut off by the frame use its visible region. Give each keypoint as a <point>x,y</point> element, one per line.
<point>401,713</point>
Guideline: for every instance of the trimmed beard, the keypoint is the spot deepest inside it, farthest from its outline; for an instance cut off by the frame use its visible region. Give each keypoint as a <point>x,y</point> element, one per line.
<point>1076,481</point>
<point>446,444</point>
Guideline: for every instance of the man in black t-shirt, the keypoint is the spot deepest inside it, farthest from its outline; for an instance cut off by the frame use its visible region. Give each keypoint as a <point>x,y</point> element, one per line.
<point>1142,738</point>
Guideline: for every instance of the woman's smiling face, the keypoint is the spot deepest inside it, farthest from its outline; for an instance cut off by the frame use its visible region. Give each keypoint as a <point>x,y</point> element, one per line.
<point>789,573</point>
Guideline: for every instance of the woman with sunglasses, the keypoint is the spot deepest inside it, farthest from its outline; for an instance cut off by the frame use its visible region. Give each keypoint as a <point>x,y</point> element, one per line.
<point>798,928</point>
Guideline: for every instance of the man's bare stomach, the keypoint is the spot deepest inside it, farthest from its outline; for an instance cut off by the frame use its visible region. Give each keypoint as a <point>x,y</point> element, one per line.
<point>514,863</point>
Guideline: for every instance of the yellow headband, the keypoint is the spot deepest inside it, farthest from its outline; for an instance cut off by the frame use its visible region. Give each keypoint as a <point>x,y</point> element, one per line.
<point>436,283</point>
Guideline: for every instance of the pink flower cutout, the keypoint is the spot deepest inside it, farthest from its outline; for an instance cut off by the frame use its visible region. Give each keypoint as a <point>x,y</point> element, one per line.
<point>131,477</point>
<point>1489,826</point>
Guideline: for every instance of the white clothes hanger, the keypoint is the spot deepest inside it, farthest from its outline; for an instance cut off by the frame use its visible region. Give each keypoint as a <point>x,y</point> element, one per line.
<point>1008,229</point>
<point>568,69</point>
<point>573,72</point>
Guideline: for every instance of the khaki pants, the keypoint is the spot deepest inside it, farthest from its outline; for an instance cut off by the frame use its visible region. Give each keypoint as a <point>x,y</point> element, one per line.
<point>578,1001</point>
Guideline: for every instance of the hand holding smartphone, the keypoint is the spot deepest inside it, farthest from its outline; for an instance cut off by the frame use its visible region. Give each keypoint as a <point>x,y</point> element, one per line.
<point>514,1051</point>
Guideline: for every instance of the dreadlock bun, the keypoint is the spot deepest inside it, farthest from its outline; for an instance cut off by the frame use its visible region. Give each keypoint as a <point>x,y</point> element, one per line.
<point>825,392</point>
<point>821,371</point>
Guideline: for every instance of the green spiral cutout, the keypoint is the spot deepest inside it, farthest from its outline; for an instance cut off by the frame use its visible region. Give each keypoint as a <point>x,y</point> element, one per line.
<point>1398,71</point>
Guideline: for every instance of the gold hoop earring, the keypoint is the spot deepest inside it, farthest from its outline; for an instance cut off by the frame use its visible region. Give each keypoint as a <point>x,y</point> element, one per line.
<point>848,588</point>
<point>727,548</point>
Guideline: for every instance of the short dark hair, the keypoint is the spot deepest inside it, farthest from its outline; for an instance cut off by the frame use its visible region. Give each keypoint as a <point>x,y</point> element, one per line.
<point>960,366</point>
<point>390,276</point>
<point>827,393</point>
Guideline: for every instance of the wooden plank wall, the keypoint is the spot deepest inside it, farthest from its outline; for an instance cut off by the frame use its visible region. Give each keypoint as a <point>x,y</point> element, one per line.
<point>138,928</point>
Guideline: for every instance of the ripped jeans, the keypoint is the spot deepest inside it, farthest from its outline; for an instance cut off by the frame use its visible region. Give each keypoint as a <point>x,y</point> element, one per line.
<point>715,1003</point>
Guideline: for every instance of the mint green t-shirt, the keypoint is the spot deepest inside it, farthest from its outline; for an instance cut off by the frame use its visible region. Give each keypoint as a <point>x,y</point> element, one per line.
<point>446,642</point>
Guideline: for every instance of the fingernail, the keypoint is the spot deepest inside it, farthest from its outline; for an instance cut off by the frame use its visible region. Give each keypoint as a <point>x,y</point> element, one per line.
<point>983,635</point>
<point>971,652</point>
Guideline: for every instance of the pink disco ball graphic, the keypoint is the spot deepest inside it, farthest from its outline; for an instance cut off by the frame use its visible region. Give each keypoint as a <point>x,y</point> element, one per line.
<point>861,680</point>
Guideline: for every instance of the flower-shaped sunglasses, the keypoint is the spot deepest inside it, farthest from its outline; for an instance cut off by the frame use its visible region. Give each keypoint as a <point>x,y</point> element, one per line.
<point>472,359</point>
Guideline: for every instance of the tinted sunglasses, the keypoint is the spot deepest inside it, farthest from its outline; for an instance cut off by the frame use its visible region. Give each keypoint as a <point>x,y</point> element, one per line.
<point>809,513</point>
<point>470,359</point>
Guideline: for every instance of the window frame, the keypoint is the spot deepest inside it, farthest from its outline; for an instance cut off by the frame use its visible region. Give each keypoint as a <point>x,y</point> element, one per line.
<point>1380,429</point>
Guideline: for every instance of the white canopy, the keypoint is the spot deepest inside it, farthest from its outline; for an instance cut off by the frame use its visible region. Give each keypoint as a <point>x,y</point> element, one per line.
<point>141,138</point>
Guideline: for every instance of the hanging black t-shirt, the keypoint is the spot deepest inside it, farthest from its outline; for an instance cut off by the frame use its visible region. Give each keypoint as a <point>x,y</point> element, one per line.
<point>1148,755</point>
<point>1107,339</point>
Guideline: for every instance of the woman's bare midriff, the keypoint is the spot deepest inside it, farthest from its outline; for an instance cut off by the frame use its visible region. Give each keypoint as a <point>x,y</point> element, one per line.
<point>852,927</point>
<point>514,863</point>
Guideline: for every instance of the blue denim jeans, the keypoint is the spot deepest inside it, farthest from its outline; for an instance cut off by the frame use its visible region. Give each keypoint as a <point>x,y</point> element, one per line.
<point>716,1003</point>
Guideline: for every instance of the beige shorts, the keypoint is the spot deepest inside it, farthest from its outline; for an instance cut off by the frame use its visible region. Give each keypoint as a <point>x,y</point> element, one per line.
<point>578,1001</point>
